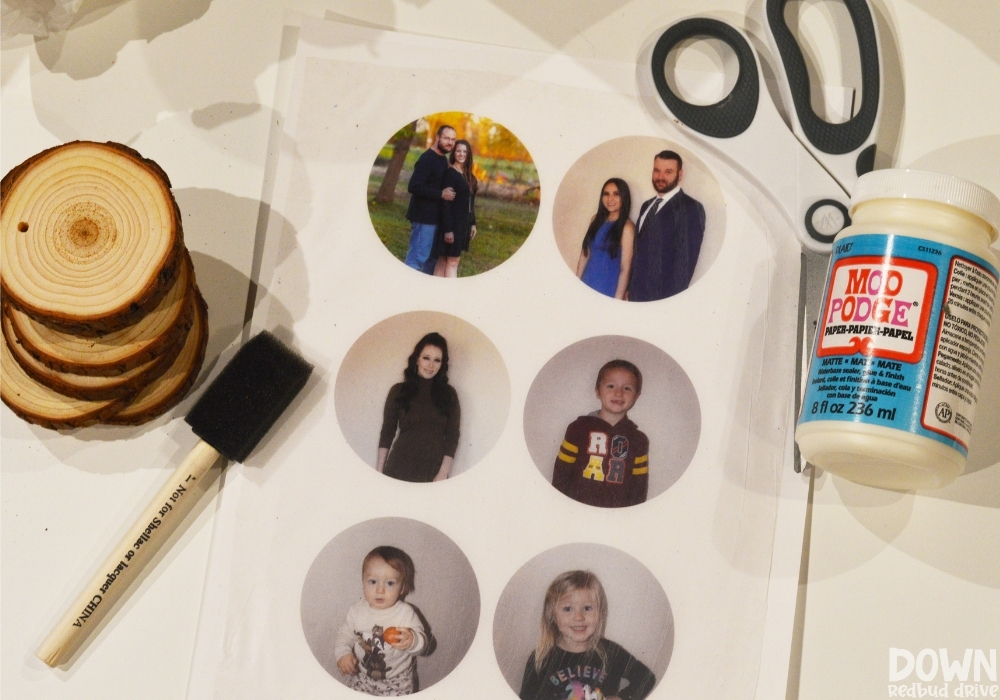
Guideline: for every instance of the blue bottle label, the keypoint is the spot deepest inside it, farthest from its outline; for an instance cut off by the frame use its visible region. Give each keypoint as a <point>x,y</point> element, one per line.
<point>901,341</point>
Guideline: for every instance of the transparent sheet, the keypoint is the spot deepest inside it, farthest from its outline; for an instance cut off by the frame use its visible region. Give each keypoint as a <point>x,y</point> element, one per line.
<point>720,543</point>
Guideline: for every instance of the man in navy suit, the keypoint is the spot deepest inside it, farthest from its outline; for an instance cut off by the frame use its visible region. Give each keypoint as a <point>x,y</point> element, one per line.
<point>668,235</point>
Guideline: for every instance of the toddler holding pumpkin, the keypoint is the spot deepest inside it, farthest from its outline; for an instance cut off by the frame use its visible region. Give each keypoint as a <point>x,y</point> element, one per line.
<point>378,642</point>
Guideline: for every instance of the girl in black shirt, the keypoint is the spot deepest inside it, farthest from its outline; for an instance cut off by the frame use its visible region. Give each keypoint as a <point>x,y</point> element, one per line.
<point>573,660</point>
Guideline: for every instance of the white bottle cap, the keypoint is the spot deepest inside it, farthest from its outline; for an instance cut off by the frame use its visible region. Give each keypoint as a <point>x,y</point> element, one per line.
<point>931,187</point>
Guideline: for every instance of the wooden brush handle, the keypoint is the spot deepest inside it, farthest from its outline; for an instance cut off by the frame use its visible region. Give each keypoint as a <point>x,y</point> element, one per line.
<point>166,511</point>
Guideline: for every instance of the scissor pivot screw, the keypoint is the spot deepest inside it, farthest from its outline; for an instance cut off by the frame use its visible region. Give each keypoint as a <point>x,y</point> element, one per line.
<point>825,219</point>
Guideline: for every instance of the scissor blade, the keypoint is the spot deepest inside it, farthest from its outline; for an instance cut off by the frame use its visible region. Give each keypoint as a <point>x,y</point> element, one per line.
<point>812,285</point>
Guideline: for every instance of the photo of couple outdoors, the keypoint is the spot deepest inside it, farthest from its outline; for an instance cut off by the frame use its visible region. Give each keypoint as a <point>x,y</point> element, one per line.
<point>453,194</point>
<point>654,257</point>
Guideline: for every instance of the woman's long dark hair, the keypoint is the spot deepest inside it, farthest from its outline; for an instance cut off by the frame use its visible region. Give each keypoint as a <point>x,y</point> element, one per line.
<point>439,384</point>
<point>467,168</point>
<point>615,234</point>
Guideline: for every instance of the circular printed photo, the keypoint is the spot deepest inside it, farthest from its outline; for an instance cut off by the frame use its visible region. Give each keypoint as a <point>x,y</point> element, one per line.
<point>639,218</point>
<point>390,606</point>
<point>422,396</point>
<point>612,421</point>
<point>453,194</point>
<point>583,621</point>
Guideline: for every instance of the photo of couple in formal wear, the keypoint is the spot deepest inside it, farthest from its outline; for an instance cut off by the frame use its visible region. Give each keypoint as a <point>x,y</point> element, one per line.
<point>446,179</point>
<point>633,247</point>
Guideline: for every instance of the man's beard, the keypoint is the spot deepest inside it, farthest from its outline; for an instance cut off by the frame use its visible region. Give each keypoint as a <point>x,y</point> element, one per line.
<point>671,184</point>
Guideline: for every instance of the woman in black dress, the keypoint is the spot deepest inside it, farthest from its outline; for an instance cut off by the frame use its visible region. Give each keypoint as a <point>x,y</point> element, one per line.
<point>424,409</point>
<point>458,217</point>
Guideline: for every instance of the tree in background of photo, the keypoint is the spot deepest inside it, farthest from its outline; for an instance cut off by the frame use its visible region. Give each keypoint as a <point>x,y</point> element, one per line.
<point>508,197</point>
<point>401,142</point>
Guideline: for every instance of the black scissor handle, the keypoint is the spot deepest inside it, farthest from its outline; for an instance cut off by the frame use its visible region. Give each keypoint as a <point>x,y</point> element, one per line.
<point>827,137</point>
<point>733,114</point>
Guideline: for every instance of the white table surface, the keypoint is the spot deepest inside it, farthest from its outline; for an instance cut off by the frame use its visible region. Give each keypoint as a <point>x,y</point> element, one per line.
<point>191,85</point>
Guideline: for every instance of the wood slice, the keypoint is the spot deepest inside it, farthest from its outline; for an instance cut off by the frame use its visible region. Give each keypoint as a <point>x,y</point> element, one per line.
<point>89,235</point>
<point>39,404</point>
<point>164,393</point>
<point>90,388</point>
<point>113,353</point>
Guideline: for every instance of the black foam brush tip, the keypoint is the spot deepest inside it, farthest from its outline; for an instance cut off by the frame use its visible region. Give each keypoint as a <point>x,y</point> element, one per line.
<point>248,396</point>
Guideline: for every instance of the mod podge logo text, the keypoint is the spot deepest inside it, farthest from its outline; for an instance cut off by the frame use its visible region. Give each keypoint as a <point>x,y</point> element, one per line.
<point>937,673</point>
<point>857,307</point>
<point>875,298</point>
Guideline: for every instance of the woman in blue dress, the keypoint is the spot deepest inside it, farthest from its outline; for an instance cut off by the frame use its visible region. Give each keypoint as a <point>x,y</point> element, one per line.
<point>606,254</point>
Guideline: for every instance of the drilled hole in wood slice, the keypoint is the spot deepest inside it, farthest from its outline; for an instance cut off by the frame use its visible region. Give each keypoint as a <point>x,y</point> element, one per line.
<point>23,227</point>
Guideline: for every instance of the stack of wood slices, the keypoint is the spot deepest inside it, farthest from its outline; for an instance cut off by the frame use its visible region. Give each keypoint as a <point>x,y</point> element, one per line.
<point>102,319</point>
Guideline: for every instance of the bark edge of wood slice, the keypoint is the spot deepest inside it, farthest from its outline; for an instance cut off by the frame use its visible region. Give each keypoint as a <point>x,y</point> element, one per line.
<point>110,354</point>
<point>42,406</point>
<point>90,236</point>
<point>173,385</point>
<point>89,387</point>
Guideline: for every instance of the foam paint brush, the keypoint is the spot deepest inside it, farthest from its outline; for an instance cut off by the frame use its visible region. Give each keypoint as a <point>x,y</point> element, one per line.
<point>231,417</point>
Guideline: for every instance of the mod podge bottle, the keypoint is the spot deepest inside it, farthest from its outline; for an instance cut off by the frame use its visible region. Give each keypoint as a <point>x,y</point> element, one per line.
<point>901,340</point>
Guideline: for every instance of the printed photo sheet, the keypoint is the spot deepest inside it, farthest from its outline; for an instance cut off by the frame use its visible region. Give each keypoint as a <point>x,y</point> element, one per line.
<point>699,570</point>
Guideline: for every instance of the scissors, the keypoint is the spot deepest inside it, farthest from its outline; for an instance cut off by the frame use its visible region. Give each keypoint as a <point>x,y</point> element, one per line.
<point>808,168</point>
<point>810,171</point>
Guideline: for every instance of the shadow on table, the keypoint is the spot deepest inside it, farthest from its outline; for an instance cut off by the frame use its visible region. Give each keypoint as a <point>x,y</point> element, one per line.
<point>60,52</point>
